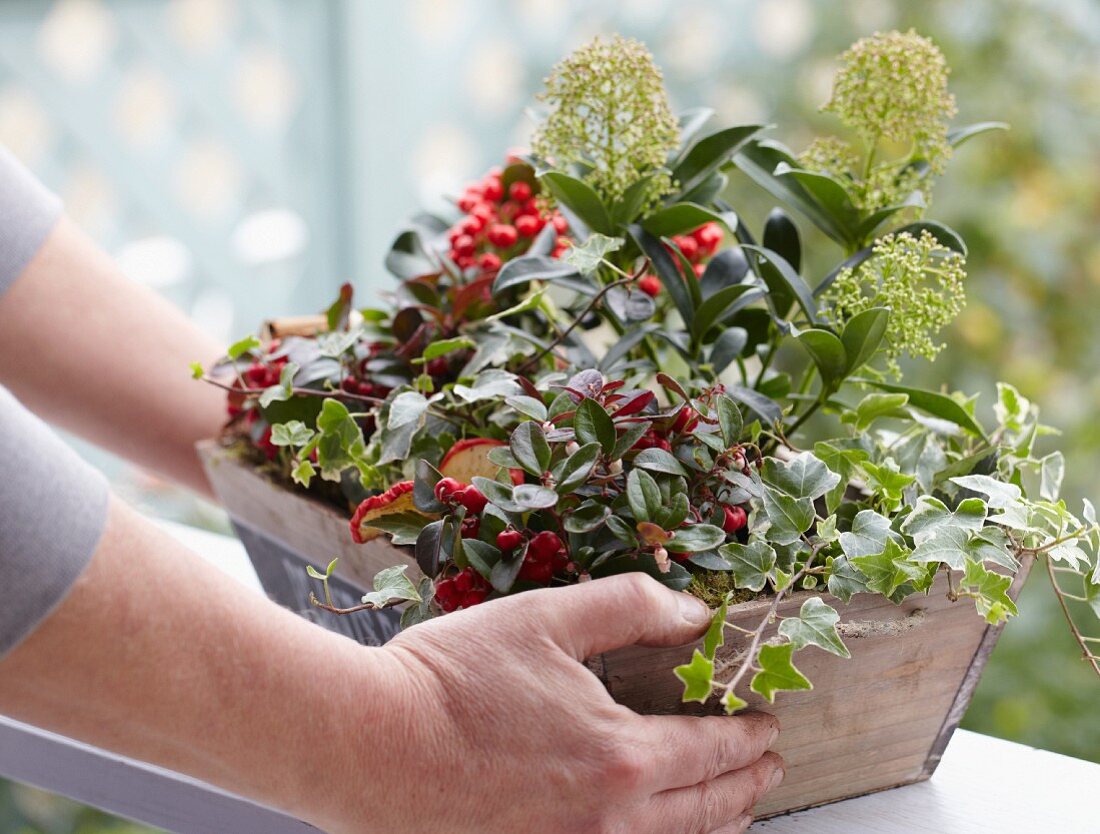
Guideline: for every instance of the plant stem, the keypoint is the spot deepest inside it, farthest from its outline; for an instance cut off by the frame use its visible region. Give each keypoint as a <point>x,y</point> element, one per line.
<point>534,360</point>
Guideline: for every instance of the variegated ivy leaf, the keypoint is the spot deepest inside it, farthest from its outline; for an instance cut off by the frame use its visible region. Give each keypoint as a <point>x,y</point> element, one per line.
<point>303,473</point>
<point>586,257</point>
<point>789,517</point>
<point>947,545</point>
<point>292,433</point>
<point>804,476</point>
<point>697,677</point>
<point>733,703</point>
<point>889,570</point>
<point>845,580</point>
<point>990,592</point>
<point>1011,409</point>
<point>391,585</point>
<point>1004,497</point>
<point>1052,468</point>
<point>931,515</point>
<point>869,534</point>
<point>750,563</point>
<point>281,391</point>
<point>777,673</point>
<point>990,544</point>
<point>815,625</point>
<point>1069,553</point>
<point>490,384</point>
<point>408,407</point>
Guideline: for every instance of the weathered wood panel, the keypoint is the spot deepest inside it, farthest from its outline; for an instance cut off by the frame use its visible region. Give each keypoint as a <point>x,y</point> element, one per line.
<point>879,720</point>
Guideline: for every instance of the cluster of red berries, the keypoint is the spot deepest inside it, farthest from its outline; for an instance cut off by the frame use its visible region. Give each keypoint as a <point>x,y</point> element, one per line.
<point>545,554</point>
<point>684,422</point>
<point>360,383</point>
<point>498,226</point>
<point>465,589</point>
<point>451,491</point>
<point>696,246</point>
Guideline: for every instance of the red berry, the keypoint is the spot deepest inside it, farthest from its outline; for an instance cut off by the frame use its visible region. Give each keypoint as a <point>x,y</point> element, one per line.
<point>734,519</point>
<point>502,235</point>
<point>493,189</point>
<point>256,373</point>
<point>650,285</point>
<point>471,225</point>
<point>709,237</point>
<point>688,247</point>
<point>467,202</point>
<point>520,192</point>
<point>475,597</point>
<point>489,261</point>
<point>509,539</point>
<point>561,225</point>
<point>699,269</point>
<point>446,488</point>
<point>528,225</point>
<point>472,499</point>
<point>483,212</point>
<point>540,572</point>
<point>543,546</point>
<point>463,245</point>
<point>464,582</point>
<point>446,594</point>
<point>471,526</point>
<point>437,366</point>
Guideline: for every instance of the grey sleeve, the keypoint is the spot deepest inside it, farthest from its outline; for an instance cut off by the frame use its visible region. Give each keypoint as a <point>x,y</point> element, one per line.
<point>28,211</point>
<point>53,505</point>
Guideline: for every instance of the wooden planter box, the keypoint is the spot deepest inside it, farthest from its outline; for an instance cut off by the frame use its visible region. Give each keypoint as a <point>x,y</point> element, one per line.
<point>876,721</point>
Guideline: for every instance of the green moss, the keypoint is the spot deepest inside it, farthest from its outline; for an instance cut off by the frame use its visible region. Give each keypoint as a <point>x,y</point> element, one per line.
<point>711,587</point>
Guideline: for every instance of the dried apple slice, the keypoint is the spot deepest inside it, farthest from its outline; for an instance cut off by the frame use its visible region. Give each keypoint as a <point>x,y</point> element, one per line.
<point>469,458</point>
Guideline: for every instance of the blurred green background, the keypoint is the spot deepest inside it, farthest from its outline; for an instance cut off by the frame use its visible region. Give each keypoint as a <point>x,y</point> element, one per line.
<point>245,158</point>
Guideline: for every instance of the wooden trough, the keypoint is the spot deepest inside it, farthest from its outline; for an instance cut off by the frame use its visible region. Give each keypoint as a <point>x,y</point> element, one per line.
<point>876,721</point>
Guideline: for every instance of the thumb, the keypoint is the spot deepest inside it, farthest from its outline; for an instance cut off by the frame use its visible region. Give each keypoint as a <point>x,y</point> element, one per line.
<point>617,611</point>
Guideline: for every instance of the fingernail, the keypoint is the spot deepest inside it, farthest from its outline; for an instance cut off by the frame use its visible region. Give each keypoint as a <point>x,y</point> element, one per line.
<point>777,777</point>
<point>694,611</point>
<point>743,823</point>
<point>774,737</point>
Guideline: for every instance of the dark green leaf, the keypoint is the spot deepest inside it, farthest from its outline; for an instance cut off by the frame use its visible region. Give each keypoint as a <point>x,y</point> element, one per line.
<point>679,218</point>
<point>785,286</point>
<point>862,336</point>
<point>667,271</point>
<point>408,258</point>
<point>658,460</point>
<point>577,467</point>
<point>938,405</point>
<point>725,302</point>
<point>728,347</point>
<point>537,268</point>
<point>696,538</point>
<point>730,420</point>
<point>592,424</point>
<point>579,197</point>
<point>643,495</point>
<point>828,354</point>
<point>534,497</point>
<point>711,152</point>
<point>530,449</point>
<point>957,135</point>
<point>781,235</point>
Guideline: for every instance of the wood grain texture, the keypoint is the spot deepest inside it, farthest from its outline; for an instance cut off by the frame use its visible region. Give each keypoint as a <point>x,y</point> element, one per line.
<point>879,720</point>
<point>311,528</point>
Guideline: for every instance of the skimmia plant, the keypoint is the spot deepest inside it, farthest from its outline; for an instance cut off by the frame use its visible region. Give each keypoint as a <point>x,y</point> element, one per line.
<point>593,366</point>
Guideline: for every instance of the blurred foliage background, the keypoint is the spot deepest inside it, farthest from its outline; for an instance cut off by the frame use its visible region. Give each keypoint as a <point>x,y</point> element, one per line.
<point>247,157</point>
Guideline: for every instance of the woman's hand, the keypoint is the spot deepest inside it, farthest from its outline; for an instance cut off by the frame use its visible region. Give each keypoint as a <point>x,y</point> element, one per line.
<point>494,725</point>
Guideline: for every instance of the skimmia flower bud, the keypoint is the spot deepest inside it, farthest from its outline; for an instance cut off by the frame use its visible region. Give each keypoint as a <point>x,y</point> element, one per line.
<point>918,279</point>
<point>893,86</point>
<point>609,109</point>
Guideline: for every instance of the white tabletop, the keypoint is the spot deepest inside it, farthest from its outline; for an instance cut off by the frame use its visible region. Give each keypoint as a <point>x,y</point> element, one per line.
<point>982,785</point>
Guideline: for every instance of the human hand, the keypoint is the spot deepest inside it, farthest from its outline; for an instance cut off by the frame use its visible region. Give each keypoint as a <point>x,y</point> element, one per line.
<point>494,725</point>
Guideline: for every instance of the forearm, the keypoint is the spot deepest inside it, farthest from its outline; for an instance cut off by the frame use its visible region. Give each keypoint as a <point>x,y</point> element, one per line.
<point>108,359</point>
<point>155,655</point>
